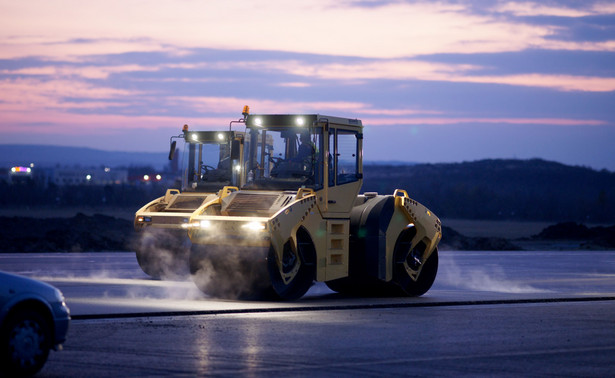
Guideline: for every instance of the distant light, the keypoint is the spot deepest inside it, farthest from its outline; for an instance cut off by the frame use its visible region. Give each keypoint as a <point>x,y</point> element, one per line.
<point>107,169</point>
<point>299,121</point>
<point>31,165</point>
<point>194,137</point>
<point>158,177</point>
<point>205,224</point>
<point>258,121</point>
<point>21,169</point>
<point>238,168</point>
<point>146,177</point>
<point>88,177</point>
<point>220,136</point>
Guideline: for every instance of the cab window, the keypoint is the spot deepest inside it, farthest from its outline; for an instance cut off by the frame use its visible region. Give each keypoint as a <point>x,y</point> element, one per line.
<point>344,161</point>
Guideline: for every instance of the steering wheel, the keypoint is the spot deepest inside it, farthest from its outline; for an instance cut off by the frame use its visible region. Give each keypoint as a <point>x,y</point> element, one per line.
<point>276,160</point>
<point>207,168</point>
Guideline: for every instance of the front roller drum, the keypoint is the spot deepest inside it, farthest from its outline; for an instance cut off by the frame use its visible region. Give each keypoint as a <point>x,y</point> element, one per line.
<point>162,254</point>
<point>292,277</point>
<point>237,272</point>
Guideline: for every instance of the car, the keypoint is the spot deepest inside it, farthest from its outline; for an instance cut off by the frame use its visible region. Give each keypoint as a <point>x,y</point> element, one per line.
<point>33,319</point>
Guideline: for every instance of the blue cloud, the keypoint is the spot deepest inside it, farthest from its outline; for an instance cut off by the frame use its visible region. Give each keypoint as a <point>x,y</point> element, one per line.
<point>564,62</point>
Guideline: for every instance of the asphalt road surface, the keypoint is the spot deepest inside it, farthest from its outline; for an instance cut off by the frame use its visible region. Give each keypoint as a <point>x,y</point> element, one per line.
<point>489,313</point>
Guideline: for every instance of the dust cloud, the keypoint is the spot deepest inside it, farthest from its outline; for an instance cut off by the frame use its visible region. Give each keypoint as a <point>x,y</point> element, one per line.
<point>231,272</point>
<point>162,253</point>
<point>490,279</point>
<point>235,271</point>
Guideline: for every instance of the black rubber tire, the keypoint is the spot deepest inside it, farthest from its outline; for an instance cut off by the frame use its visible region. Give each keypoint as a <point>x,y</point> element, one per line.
<point>304,278</point>
<point>25,341</point>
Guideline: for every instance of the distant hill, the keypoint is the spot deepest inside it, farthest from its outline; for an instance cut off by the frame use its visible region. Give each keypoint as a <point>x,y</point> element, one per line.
<point>503,189</point>
<point>496,189</point>
<point>50,156</point>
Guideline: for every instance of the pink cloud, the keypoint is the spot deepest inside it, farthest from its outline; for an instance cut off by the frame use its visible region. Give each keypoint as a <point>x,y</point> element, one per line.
<point>452,121</point>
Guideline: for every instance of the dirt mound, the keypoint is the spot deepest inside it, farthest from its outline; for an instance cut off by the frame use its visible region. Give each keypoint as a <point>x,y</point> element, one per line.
<point>80,233</point>
<point>453,240</point>
<point>588,237</point>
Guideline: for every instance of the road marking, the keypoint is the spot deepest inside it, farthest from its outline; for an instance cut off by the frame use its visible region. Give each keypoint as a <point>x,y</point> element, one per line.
<point>341,307</point>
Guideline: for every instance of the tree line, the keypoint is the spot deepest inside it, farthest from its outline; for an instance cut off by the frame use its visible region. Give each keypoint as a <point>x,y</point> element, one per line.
<point>502,189</point>
<point>486,189</point>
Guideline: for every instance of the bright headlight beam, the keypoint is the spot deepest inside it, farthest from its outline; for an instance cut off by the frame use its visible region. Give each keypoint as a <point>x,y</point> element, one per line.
<point>254,226</point>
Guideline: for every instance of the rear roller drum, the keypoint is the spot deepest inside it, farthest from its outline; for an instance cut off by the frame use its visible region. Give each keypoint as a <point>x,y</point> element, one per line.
<point>408,261</point>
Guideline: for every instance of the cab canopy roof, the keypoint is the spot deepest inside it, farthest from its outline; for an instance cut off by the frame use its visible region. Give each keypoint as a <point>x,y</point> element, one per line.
<point>276,120</point>
<point>208,136</point>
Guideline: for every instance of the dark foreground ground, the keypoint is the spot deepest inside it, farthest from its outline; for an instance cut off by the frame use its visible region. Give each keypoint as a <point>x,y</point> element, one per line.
<point>504,340</point>
<point>527,313</point>
<point>99,232</point>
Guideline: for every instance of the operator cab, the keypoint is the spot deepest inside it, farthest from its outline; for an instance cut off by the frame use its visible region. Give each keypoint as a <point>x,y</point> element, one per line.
<point>288,152</point>
<point>208,159</point>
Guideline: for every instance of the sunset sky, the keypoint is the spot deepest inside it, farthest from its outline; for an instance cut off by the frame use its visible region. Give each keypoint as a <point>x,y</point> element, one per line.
<point>444,81</point>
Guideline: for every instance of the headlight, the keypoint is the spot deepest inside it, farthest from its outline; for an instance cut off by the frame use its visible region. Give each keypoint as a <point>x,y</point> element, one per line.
<point>58,296</point>
<point>254,226</point>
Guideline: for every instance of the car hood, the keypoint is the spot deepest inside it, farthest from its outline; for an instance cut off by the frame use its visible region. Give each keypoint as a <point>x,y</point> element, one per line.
<point>13,285</point>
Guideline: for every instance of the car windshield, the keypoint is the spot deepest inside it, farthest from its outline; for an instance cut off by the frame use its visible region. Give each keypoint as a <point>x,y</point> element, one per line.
<point>206,166</point>
<point>283,157</point>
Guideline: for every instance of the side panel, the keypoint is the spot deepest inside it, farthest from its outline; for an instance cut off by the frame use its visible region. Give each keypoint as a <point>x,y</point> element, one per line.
<point>339,200</point>
<point>428,226</point>
<point>330,236</point>
<point>337,248</point>
<point>284,224</point>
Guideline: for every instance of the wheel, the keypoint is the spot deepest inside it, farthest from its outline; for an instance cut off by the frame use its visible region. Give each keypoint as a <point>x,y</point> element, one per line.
<point>237,273</point>
<point>163,254</point>
<point>298,268</point>
<point>407,263</point>
<point>26,340</point>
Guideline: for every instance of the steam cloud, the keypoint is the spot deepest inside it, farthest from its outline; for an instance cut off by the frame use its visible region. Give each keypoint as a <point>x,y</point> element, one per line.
<point>224,271</point>
<point>481,279</point>
<point>163,253</point>
<point>232,272</point>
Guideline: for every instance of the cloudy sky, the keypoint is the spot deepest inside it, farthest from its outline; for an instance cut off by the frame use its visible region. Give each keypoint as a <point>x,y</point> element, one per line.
<point>433,81</point>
